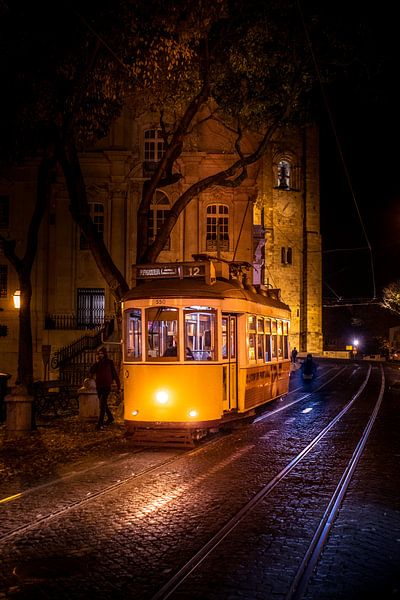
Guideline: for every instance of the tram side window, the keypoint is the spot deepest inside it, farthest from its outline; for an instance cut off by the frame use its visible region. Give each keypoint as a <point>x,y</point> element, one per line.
<point>252,336</point>
<point>267,340</point>
<point>280,340</point>
<point>162,333</point>
<point>285,340</point>
<point>274,341</point>
<point>260,338</point>
<point>133,338</point>
<point>200,338</point>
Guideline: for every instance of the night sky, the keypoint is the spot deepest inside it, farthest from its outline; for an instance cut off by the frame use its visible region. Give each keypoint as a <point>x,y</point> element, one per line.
<point>364,162</point>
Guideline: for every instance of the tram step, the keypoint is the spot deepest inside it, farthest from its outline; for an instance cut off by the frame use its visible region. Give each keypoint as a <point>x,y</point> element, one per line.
<point>166,438</point>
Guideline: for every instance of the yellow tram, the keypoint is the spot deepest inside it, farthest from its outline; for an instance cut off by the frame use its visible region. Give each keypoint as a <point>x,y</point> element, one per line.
<point>200,348</point>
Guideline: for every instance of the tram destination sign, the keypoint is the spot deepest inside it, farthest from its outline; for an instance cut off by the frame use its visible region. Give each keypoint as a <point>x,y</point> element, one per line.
<point>204,270</point>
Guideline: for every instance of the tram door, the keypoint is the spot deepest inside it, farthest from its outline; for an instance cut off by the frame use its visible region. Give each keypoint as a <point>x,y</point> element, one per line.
<point>230,354</point>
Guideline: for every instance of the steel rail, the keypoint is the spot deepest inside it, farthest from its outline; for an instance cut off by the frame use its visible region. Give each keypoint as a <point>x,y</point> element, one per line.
<point>171,586</point>
<point>311,557</point>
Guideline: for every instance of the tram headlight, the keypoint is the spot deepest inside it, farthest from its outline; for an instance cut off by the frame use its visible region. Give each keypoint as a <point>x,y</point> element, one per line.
<point>135,413</point>
<point>162,397</point>
<point>193,413</point>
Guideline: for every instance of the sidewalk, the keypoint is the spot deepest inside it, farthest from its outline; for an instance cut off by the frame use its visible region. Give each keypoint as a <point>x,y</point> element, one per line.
<point>57,442</point>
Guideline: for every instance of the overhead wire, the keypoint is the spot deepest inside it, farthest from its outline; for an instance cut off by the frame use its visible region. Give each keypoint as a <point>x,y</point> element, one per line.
<point>332,123</point>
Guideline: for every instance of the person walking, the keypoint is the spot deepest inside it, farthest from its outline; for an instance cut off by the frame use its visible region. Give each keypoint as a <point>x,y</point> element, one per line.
<point>309,367</point>
<point>104,373</point>
<point>294,355</point>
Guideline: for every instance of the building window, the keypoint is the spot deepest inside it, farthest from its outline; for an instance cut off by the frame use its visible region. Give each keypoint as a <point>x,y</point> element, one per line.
<point>4,211</point>
<point>3,281</point>
<point>217,228</point>
<point>153,150</point>
<point>159,211</point>
<point>97,214</point>
<point>287,174</point>
<point>286,256</point>
<point>90,308</point>
<point>284,169</point>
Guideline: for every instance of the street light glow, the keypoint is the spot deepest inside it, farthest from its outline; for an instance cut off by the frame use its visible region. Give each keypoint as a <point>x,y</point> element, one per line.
<point>17,299</point>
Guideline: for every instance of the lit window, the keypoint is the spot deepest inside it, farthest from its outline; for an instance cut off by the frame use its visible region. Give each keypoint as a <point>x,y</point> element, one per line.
<point>287,173</point>
<point>217,227</point>
<point>162,333</point>
<point>200,334</point>
<point>133,341</point>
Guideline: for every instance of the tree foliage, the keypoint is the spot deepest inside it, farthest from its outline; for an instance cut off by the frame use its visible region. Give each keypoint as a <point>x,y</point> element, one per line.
<point>391,297</point>
<point>70,66</point>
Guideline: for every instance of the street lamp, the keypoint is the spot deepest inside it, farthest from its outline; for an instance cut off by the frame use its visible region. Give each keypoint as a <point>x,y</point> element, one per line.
<point>17,299</point>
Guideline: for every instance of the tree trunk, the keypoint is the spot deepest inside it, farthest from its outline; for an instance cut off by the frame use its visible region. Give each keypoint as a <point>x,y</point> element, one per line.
<point>25,354</point>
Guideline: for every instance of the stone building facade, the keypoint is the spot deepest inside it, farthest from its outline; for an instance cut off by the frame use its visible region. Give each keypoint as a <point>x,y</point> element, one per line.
<point>271,221</point>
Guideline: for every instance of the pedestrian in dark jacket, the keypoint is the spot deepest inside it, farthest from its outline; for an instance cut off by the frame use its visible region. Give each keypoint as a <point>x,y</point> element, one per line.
<point>104,372</point>
<point>309,367</point>
<point>294,355</point>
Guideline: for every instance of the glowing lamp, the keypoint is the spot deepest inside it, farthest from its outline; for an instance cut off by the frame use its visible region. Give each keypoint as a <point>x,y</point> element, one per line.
<point>17,299</point>
<point>193,413</point>
<point>162,397</point>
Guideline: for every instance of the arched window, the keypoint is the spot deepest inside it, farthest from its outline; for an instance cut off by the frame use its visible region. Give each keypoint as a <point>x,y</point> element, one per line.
<point>287,172</point>
<point>153,150</point>
<point>217,228</point>
<point>284,172</point>
<point>286,256</point>
<point>159,210</point>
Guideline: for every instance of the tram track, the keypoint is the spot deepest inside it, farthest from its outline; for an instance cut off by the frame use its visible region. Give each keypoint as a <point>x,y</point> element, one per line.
<point>320,536</point>
<point>75,503</point>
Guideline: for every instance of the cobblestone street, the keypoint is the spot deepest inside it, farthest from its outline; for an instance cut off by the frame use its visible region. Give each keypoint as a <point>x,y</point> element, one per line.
<point>100,517</point>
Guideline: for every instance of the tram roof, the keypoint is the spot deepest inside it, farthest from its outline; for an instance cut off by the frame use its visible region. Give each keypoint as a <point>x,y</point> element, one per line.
<point>189,288</point>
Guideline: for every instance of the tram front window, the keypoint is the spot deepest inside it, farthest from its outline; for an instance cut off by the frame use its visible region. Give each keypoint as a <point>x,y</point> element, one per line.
<point>199,334</point>
<point>162,333</point>
<point>133,338</point>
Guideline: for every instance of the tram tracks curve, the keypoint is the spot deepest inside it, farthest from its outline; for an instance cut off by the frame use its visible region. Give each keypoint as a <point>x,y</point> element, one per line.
<point>319,538</point>
<point>41,519</point>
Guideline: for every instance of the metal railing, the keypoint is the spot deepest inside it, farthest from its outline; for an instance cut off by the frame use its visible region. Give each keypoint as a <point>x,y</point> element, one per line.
<point>68,321</point>
<point>67,353</point>
<point>77,370</point>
